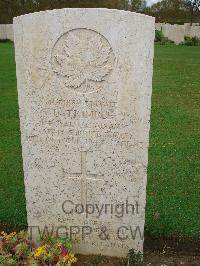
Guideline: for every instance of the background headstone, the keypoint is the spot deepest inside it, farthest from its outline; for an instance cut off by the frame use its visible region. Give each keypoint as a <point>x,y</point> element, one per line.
<point>6,32</point>
<point>174,33</point>
<point>84,83</point>
<point>3,35</point>
<point>9,32</point>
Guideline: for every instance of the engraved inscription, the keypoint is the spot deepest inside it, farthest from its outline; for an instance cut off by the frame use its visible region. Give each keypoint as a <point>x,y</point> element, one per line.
<point>83,59</point>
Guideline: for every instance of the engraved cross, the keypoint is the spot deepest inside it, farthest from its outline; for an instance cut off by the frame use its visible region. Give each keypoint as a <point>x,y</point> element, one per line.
<point>84,177</point>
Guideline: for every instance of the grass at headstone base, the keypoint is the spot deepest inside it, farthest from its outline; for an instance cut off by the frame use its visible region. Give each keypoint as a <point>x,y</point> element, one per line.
<point>173,197</point>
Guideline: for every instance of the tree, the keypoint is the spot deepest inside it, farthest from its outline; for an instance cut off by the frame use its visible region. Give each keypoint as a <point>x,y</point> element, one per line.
<point>173,11</point>
<point>138,5</point>
<point>12,8</point>
<point>193,7</point>
<point>135,5</point>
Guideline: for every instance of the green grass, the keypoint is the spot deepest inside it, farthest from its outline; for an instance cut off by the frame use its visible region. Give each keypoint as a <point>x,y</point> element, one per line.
<point>173,189</point>
<point>12,198</point>
<point>173,196</point>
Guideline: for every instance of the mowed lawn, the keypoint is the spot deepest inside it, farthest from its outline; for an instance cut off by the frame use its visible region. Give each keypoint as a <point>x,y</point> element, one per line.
<point>173,191</point>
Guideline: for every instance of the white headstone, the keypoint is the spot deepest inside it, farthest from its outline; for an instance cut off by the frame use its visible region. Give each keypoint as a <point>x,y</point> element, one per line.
<point>84,83</point>
<point>174,33</point>
<point>9,32</point>
<point>3,32</point>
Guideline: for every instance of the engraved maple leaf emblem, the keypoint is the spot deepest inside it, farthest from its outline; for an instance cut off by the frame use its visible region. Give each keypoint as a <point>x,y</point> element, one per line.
<point>82,60</point>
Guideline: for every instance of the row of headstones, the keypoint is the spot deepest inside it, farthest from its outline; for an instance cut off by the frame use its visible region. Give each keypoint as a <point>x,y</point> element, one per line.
<point>177,33</point>
<point>174,33</point>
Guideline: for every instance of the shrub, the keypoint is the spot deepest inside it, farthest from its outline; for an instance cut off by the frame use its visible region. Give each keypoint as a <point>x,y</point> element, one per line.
<point>160,38</point>
<point>5,40</point>
<point>194,41</point>
<point>134,258</point>
<point>18,249</point>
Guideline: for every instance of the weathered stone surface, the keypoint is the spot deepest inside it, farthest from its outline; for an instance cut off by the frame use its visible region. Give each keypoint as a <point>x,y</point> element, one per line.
<point>84,83</point>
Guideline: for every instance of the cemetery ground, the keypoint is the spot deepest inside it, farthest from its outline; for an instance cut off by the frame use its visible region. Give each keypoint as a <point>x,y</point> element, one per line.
<point>173,198</point>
